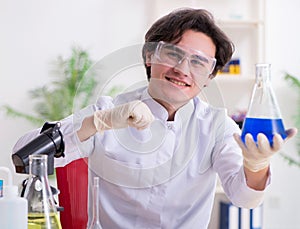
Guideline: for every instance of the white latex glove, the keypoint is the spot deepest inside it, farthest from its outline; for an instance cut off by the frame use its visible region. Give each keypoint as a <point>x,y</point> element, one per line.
<point>258,156</point>
<point>135,114</point>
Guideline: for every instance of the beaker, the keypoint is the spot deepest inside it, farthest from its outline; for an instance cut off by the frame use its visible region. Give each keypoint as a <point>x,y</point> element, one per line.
<point>42,212</point>
<point>95,223</point>
<point>263,114</point>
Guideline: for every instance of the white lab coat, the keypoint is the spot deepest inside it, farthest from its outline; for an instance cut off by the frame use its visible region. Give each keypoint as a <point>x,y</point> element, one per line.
<point>163,176</point>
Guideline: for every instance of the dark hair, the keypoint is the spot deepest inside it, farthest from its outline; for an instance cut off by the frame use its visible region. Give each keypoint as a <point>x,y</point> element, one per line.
<point>171,27</point>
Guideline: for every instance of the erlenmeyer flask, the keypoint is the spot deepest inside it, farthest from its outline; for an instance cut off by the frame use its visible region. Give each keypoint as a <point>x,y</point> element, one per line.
<point>263,114</point>
<point>42,211</point>
<point>95,223</point>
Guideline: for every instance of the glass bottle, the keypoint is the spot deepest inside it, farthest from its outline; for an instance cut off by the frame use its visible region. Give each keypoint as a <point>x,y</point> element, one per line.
<point>263,114</point>
<point>42,212</point>
<point>95,224</point>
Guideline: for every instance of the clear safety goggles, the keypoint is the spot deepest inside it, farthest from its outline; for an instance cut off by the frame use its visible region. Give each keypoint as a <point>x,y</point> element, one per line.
<point>173,55</point>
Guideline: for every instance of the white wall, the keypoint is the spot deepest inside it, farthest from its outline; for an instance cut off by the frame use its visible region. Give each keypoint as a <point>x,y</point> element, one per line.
<point>34,32</point>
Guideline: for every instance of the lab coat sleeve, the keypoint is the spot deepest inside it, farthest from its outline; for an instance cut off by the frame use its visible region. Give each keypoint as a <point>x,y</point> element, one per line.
<point>74,149</point>
<point>228,162</point>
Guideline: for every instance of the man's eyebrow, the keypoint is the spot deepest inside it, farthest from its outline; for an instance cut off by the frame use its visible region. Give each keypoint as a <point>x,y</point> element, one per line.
<point>202,58</point>
<point>175,48</point>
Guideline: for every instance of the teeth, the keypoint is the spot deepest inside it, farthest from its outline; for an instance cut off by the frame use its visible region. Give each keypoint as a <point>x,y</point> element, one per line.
<point>177,82</point>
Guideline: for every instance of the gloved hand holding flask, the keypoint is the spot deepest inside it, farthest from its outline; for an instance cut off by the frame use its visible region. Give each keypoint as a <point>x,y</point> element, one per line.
<point>263,132</point>
<point>257,154</point>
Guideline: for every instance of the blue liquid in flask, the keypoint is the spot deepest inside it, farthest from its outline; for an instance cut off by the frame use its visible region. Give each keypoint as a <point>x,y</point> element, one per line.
<point>268,127</point>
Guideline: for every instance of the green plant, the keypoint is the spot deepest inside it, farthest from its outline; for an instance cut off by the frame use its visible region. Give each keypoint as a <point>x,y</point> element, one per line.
<point>295,83</point>
<point>54,101</point>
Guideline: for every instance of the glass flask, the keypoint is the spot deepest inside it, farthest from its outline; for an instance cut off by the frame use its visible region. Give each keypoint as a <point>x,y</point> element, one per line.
<point>95,223</point>
<point>42,212</point>
<point>263,114</point>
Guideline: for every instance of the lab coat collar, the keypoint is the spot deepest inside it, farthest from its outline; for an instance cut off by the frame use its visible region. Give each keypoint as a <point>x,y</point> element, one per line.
<point>157,109</point>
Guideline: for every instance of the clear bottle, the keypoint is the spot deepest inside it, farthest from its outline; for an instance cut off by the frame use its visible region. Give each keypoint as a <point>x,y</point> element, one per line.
<point>13,208</point>
<point>95,223</point>
<point>42,212</point>
<point>263,114</point>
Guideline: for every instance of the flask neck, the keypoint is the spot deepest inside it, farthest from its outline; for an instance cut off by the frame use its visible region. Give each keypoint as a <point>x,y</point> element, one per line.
<point>38,165</point>
<point>263,73</point>
<point>95,220</point>
<point>96,209</point>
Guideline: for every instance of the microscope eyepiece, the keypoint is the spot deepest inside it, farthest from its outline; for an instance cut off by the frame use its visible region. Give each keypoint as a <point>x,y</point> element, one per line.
<point>49,142</point>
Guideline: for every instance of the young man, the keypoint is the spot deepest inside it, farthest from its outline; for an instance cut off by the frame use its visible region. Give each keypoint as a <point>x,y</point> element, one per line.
<point>159,149</point>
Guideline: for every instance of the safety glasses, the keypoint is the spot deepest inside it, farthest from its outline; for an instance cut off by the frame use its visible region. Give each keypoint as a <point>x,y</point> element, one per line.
<point>173,55</point>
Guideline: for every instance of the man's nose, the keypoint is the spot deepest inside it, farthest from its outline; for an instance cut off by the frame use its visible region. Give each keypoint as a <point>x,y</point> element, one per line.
<point>183,66</point>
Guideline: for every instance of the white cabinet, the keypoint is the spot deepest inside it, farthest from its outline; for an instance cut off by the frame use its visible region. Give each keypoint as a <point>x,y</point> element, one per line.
<point>244,23</point>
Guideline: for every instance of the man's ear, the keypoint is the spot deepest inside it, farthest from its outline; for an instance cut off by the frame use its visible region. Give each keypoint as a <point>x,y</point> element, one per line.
<point>207,82</point>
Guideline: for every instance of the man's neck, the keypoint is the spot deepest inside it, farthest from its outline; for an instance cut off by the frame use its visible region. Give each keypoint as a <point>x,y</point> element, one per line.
<point>171,109</point>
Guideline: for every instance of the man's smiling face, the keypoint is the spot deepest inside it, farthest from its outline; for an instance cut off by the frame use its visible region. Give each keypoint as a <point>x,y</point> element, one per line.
<point>176,85</point>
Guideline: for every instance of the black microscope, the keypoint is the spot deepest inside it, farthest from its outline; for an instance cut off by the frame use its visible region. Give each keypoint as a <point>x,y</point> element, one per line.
<point>49,142</point>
